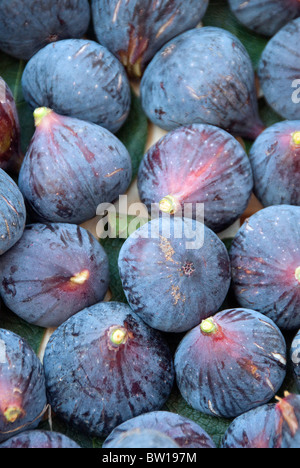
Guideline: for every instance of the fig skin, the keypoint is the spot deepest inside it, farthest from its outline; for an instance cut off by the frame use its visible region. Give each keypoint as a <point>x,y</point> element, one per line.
<point>279,71</point>
<point>71,167</point>
<point>213,167</point>
<point>10,142</point>
<point>12,213</point>
<point>295,358</point>
<point>274,426</point>
<point>231,363</point>
<point>134,31</point>
<point>53,272</point>
<point>105,366</point>
<point>184,432</point>
<point>171,287</point>
<point>143,438</point>
<point>22,386</point>
<point>202,76</point>
<point>81,79</point>
<point>40,440</point>
<point>275,161</point>
<point>29,25</point>
<point>265,17</point>
<point>265,261</point>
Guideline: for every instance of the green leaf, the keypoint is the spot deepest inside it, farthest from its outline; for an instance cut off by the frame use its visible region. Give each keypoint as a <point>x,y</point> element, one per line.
<point>112,248</point>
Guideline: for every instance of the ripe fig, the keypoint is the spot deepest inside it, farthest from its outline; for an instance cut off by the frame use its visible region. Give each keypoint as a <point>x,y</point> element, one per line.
<point>29,25</point>
<point>202,76</point>
<point>39,440</point>
<point>104,366</point>
<point>170,286</point>
<point>10,149</point>
<point>279,71</point>
<point>134,31</point>
<point>265,17</point>
<point>274,426</point>
<point>81,79</point>
<point>54,271</point>
<point>22,386</point>
<point>275,160</point>
<point>72,166</point>
<point>265,260</point>
<point>231,363</point>
<point>295,358</point>
<point>183,431</point>
<point>142,438</point>
<point>12,213</point>
<point>214,170</point>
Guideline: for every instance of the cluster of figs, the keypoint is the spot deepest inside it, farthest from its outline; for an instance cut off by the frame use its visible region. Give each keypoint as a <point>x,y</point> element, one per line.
<point>107,369</point>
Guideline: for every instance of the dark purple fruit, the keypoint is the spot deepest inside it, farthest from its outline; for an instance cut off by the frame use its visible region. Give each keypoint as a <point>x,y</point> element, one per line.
<point>183,431</point>
<point>134,31</point>
<point>265,17</point>
<point>198,164</point>
<point>273,426</point>
<point>265,259</point>
<point>39,440</point>
<point>170,285</point>
<point>81,79</point>
<point>142,438</point>
<point>10,150</point>
<point>295,358</point>
<point>275,160</point>
<point>202,76</point>
<point>22,386</point>
<point>28,25</point>
<point>72,166</point>
<point>105,366</point>
<point>231,363</point>
<point>54,271</point>
<point>12,213</point>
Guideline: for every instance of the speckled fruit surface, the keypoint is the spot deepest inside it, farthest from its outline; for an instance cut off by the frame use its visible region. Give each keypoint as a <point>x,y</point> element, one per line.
<point>40,440</point>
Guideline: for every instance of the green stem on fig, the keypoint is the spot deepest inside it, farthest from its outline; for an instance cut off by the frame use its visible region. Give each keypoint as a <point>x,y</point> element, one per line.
<point>119,336</point>
<point>296,138</point>
<point>39,115</point>
<point>297,274</point>
<point>169,205</point>
<point>12,413</point>
<point>208,326</point>
<point>80,278</point>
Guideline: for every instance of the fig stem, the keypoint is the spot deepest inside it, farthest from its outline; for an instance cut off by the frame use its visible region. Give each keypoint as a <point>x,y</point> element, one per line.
<point>169,205</point>
<point>208,326</point>
<point>12,413</point>
<point>296,138</point>
<point>80,278</point>
<point>297,274</point>
<point>39,115</point>
<point>118,336</point>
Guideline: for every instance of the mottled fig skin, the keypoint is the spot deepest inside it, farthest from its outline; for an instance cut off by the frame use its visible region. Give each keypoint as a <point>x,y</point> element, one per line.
<point>22,386</point>
<point>170,286</point>
<point>81,79</point>
<point>54,271</point>
<point>105,366</point>
<point>295,358</point>
<point>10,150</point>
<point>12,213</point>
<point>202,76</point>
<point>275,161</point>
<point>40,440</point>
<point>71,167</point>
<point>232,363</point>
<point>265,260</point>
<point>265,17</point>
<point>273,426</point>
<point>142,438</point>
<point>29,25</point>
<point>279,70</point>
<point>198,164</point>
<point>183,431</point>
<point>134,31</point>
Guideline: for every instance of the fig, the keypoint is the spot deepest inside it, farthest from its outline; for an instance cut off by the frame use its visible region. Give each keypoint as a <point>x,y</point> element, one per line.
<point>231,363</point>
<point>12,213</point>
<point>81,79</point>
<point>183,431</point>
<point>22,386</point>
<point>104,366</point>
<point>134,31</point>
<point>295,358</point>
<point>202,76</point>
<point>279,71</point>
<point>214,169</point>
<point>143,438</point>
<point>170,286</point>
<point>275,160</point>
<point>40,440</point>
<point>54,271</point>
<point>265,260</point>
<point>29,25</point>
<point>72,166</point>
<point>10,143</point>
<point>265,17</point>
